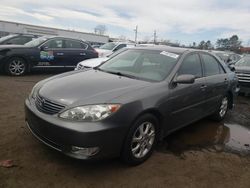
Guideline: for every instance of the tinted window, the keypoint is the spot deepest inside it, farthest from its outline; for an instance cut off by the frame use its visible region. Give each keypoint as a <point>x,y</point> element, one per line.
<point>54,43</point>
<point>211,65</point>
<point>18,40</point>
<point>191,65</point>
<point>73,44</point>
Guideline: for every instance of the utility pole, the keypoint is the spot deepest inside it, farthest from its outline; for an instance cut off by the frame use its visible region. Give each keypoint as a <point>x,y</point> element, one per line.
<point>155,36</point>
<point>136,31</point>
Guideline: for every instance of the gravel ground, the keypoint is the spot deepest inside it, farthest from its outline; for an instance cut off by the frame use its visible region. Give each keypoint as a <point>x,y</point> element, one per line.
<point>187,158</point>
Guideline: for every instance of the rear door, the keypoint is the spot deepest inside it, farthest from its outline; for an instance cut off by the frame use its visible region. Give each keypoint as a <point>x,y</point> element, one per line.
<point>75,52</point>
<point>216,81</point>
<point>187,100</point>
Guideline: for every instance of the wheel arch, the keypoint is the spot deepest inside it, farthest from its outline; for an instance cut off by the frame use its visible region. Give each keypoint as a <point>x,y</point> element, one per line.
<point>18,56</point>
<point>158,115</point>
<point>231,99</point>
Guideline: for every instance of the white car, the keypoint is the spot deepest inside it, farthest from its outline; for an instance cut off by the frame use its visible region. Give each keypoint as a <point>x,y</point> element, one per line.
<point>111,47</point>
<point>91,63</point>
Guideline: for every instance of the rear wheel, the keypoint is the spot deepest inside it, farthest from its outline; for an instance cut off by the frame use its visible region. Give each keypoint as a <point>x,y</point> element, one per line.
<point>222,111</point>
<point>141,140</point>
<point>16,66</point>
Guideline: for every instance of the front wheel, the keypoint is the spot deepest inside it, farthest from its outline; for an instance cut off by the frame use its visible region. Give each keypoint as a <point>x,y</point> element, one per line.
<point>140,140</point>
<point>222,111</point>
<point>16,66</point>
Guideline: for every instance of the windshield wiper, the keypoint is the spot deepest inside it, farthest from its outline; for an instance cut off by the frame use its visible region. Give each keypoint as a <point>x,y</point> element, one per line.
<point>120,74</point>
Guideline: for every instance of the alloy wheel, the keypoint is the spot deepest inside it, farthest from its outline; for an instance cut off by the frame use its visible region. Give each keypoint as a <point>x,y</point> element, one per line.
<point>143,140</point>
<point>17,67</point>
<point>223,107</point>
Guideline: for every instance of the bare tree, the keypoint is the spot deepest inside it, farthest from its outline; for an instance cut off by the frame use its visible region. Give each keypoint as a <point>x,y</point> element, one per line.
<point>100,29</point>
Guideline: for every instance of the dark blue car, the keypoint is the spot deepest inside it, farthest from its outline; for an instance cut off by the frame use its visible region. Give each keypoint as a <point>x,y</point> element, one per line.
<point>43,53</point>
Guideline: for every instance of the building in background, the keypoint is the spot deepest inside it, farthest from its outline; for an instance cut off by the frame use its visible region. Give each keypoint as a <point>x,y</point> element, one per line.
<point>7,28</point>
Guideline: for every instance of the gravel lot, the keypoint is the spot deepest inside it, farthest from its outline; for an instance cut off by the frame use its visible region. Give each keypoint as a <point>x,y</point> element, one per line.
<point>204,154</point>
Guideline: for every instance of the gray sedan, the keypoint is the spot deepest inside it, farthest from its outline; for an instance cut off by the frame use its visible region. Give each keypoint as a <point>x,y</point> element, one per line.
<point>123,107</point>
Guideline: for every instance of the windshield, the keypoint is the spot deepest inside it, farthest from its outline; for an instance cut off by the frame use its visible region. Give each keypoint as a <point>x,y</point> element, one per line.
<point>2,39</point>
<point>222,56</point>
<point>245,61</point>
<point>108,46</point>
<point>142,64</point>
<point>36,42</point>
<point>116,53</point>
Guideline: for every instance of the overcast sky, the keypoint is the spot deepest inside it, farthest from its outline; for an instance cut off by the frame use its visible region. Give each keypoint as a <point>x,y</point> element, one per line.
<point>177,20</point>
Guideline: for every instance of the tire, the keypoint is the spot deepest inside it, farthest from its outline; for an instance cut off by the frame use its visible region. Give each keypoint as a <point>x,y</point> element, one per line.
<point>144,132</point>
<point>220,114</point>
<point>16,66</point>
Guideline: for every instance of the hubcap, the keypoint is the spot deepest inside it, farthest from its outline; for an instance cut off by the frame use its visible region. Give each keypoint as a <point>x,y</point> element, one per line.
<point>17,67</point>
<point>223,107</point>
<point>143,139</point>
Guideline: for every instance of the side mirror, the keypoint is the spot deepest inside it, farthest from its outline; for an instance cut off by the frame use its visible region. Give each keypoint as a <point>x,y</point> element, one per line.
<point>43,48</point>
<point>232,67</point>
<point>185,79</point>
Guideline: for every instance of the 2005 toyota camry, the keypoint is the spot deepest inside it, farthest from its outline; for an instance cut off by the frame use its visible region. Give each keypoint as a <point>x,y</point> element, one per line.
<point>123,107</point>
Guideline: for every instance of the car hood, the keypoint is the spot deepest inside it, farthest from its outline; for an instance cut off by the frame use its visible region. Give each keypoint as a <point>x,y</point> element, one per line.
<point>89,87</point>
<point>242,69</point>
<point>93,62</point>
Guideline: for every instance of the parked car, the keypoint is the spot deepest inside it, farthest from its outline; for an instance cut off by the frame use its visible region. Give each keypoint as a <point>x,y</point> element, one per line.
<point>111,47</point>
<point>123,107</point>
<point>91,63</point>
<point>242,68</point>
<point>43,53</point>
<point>227,57</point>
<point>17,39</point>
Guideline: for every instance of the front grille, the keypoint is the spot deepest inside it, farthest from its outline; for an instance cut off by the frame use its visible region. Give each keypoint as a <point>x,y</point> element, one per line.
<point>243,77</point>
<point>46,106</point>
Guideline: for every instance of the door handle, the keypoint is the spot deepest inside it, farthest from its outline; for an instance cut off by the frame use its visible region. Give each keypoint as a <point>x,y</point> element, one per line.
<point>59,53</point>
<point>203,87</point>
<point>82,54</point>
<point>225,80</point>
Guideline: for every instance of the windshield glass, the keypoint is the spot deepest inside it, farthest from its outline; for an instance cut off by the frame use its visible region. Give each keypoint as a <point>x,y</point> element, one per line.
<point>222,56</point>
<point>142,64</point>
<point>245,61</point>
<point>2,39</point>
<point>36,42</point>
<point>108,46</point>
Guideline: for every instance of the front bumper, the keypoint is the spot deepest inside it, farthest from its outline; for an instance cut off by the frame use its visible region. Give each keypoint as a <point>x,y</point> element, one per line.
<point>61,135</point>
<point>244,87</point>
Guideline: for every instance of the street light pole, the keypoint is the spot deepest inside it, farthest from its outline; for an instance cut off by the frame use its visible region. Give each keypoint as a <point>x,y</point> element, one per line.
<point>136,31</point>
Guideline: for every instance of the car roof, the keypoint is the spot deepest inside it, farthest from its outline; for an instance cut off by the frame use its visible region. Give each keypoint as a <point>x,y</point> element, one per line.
<point>53,37</point>
<point>177,50</point>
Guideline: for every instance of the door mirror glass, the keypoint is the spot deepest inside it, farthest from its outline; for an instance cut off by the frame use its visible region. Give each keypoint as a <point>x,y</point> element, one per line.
<point>185,79</point>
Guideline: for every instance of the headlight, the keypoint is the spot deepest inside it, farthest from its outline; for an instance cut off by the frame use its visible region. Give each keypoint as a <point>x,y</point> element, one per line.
<point>90,112</point>
<point>34,91</point>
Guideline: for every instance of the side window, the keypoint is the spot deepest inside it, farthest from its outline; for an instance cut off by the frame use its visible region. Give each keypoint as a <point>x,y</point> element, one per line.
<point>18,40</point>
<point>191,65</point>
<point>119,47</point>
<point>211,65</point>
<point>73,44</point>
<point>54,43</point>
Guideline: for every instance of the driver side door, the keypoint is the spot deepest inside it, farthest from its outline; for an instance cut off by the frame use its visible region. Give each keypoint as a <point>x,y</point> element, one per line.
<point>188,100</point>
<point>52,53</point>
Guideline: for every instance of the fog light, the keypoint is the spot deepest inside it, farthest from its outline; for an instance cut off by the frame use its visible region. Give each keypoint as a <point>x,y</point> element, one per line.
<point>84,152</point>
